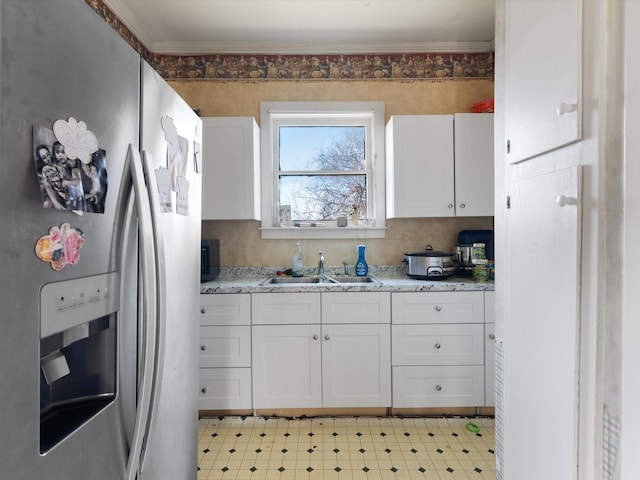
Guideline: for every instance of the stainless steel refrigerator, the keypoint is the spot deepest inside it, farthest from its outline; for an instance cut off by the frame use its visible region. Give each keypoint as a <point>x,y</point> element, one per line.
<point>100,200</point>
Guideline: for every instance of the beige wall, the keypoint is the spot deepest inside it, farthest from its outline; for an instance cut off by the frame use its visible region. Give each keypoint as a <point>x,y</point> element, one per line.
<point>240,242</point>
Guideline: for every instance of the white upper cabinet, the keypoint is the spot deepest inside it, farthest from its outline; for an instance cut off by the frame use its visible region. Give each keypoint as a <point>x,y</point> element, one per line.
<point>440,165</point>
<point>474,168</point>
<point>231,168</point>
<point>543,50</point>
<point>420,166</point>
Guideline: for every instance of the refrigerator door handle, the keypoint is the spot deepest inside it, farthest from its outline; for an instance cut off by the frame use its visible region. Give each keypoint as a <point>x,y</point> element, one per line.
<point>161,296</point>
<point>148,293</point>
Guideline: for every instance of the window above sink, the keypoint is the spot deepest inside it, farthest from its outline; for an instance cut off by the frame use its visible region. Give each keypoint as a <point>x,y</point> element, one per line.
<point>322,165</point>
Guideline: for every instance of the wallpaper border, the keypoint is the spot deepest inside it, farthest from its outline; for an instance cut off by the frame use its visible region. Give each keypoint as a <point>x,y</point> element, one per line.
<point>274,67</point>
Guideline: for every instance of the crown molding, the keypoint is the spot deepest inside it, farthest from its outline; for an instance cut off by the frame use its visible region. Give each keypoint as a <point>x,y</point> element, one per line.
<point>169,48</point>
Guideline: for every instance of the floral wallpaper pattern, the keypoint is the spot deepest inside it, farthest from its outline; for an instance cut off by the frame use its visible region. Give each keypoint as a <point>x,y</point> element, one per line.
<point>227,67</point>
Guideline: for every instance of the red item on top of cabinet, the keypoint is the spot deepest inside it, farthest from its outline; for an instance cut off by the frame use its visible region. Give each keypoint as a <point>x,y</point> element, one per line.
<point>485,106</point>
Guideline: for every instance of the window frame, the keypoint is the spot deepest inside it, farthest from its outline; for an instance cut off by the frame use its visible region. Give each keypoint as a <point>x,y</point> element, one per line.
<point>274,114</point>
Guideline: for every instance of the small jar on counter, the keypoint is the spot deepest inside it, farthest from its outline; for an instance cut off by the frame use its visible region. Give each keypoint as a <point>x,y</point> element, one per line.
<point>480,273</point>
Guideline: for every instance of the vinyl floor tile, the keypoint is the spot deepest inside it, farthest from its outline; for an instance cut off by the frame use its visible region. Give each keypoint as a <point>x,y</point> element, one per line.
<point>353,448</point>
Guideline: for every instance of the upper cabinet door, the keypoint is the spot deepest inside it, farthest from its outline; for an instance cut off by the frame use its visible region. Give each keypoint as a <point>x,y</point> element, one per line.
<point>473,134</point>
<point>231,168</point>
<point>420,166</point>
<point>543,76</point>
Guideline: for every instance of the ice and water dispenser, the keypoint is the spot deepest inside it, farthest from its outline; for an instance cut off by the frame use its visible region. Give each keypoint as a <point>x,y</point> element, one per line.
<point>78,353</point>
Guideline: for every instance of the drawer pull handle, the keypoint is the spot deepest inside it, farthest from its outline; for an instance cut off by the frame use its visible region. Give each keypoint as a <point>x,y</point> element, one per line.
<point>327,337</point>
<point>315,336</point>
<point>204,390</point>
<point>492,336</point>
<point>203,310</point>
<point>438,308</point>
<point>438,388</point>
<point>437,345</point>
<point>203,347</point>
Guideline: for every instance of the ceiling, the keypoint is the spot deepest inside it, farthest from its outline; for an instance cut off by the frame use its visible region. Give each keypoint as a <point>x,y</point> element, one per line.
<point>190,27</point>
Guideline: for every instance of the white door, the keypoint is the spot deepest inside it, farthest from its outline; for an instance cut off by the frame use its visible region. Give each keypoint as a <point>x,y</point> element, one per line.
<point>473,140</point>
<point>420,174</point>
<point>356,365</point>
<point>231,168</point>
<point>286,366</point>
<point>543,68</point>
<point>541,327</point>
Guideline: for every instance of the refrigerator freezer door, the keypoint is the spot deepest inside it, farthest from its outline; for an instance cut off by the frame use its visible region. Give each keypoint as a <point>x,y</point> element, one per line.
<point>59,60</point>
<point>171,449</point>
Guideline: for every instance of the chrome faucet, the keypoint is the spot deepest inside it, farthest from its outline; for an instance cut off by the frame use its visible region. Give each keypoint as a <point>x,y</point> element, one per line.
<point>346,268</point>
<point>321,264</point>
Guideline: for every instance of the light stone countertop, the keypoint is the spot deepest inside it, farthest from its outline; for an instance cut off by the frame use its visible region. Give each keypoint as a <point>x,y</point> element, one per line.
<point>389,278</point>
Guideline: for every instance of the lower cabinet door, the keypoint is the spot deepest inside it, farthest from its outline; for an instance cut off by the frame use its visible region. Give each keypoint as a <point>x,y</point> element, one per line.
<point>286,366</point>
<point>225,388</point>
<point>356,365</point>
<point>438,386</point>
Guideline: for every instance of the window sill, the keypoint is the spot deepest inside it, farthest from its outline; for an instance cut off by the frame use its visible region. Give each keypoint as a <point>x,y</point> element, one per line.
<point>297,233</point>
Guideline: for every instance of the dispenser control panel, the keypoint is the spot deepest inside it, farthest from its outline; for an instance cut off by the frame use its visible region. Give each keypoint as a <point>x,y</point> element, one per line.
<point>71,303</point>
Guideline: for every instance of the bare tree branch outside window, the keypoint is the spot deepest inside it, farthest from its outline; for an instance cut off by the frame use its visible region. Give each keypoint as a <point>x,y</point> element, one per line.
<point>333,179</point>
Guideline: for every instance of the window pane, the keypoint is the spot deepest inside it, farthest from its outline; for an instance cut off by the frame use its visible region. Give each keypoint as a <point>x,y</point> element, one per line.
<point>323,197</point>
<point>322,148</point>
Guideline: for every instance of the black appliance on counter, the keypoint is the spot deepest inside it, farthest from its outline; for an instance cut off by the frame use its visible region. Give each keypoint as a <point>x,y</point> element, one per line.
<point>466,239</point>
<point>209,259</point>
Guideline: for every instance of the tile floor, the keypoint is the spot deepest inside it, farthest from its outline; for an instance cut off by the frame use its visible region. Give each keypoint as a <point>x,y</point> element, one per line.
<point>358,448</point>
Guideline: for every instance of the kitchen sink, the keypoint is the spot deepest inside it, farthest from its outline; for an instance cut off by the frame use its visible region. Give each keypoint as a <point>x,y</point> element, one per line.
<point>317,279</point>
<point>351,279</point>
<point>284,280</point>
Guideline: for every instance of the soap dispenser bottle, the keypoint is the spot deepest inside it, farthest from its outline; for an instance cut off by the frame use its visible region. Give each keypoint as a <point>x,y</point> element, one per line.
<point>297,267</point>
<point>361,265</point>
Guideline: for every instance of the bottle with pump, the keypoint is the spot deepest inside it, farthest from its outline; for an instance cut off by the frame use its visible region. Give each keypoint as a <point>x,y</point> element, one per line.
<point>297,267</point>
<point>361,265</point>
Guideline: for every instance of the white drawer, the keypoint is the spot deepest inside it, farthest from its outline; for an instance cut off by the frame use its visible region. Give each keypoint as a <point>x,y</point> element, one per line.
<point>225,346</point>
<point>225,309</point>
<point>224,388</point>
<point>285,308</point>
<point>437,307</point>
<point>356,307</point>
<point>451,386</point>
<point>448,344</point>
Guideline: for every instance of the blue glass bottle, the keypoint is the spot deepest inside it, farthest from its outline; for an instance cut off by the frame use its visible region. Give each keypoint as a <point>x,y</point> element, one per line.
<point>361,265</point>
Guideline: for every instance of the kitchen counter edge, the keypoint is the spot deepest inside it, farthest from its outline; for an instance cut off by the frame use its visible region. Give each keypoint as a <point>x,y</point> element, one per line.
<point>254,285</point>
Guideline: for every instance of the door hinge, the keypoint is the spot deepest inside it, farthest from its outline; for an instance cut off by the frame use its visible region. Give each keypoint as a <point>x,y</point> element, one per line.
<point>508,202</point>
<point>508,146</point>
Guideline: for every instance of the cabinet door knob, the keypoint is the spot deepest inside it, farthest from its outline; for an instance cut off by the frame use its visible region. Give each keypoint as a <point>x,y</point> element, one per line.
<point>204,390</point>
<point>315,336</point>
<point>438,308</point>
<point>326,337</point>
<point>492,336</point>
<point>438,388</point>
<point>566,108</point>
<point>203,347</point>
<point>437,345</point>
<point>450,205</point>
<point>563,201</point>
<point>462,205</point>
<point>203,310</point>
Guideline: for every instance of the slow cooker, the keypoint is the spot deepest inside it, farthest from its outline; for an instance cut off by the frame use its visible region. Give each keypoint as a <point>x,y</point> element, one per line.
<point>429,264</point>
